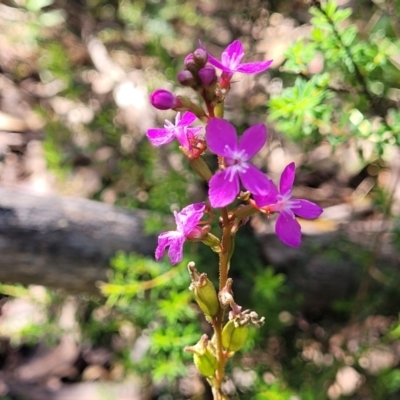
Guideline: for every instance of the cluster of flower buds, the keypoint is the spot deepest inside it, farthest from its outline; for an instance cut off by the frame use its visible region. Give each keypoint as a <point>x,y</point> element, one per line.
<point>200,74</point>
<point>197,73</point>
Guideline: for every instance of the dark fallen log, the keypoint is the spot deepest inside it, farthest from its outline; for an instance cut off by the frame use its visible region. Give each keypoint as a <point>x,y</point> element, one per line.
<point>64,242</point>
<point>67,243</point>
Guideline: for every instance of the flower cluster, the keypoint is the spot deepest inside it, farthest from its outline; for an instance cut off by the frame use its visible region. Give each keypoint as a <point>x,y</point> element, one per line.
<point>236,176</point>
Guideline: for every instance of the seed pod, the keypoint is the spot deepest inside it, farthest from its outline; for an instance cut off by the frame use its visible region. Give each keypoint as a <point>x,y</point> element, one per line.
<point>234,337</point>
<point>206,363</point>
<point>204,292</point>
<point>203,356</point>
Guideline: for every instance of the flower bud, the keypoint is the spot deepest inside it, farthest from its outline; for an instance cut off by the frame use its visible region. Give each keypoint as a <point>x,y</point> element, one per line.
<point>213,242</point>
<point>191,65</point>
<point>234,337</point>
<point>186,78</point>
<point>163,99</point>
<point>188,60</point>
<point>200,57</point>
<point>208,75</point>
<point>204,291</point>
<point>203,357</point>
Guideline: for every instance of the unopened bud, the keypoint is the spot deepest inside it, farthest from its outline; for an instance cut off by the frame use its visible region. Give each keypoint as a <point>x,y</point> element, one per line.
<point>204,291</point>
<point>188,60</point>
<point>208,75</point>
<point>213,242</point>
<point>191,65</point>
<point>203,356</point>
<point>200,57</point>
<point>163,99</point>
<point>234,337</point>
<point>185,78</point>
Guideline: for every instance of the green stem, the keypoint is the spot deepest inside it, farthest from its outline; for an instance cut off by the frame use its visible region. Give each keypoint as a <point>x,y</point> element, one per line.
<point>225,254</point>
<point>220,372</point>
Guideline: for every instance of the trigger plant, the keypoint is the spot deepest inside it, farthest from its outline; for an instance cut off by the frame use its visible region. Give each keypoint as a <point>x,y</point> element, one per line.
<point>236,191</point>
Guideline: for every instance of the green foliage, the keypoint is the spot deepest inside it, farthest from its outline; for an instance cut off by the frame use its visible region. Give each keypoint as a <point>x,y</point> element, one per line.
<point>389,381</point>
<point>55,64</point>
<point>275,391</point>
<point>57,135</point>
<point>155,298</point>
<point>348,96</point>
<point>35,320</point>
<point>306,105</point>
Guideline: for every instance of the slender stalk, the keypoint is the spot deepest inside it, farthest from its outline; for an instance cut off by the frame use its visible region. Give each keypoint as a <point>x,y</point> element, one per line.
<point>225,245</point>
<point>220,373</point>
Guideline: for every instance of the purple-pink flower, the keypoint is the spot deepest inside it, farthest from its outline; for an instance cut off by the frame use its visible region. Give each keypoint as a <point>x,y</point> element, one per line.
<point>222,140</point>
<point>186,228</point>
<point>287,227</point>
<point>230,62</point>
<point>181,131</point>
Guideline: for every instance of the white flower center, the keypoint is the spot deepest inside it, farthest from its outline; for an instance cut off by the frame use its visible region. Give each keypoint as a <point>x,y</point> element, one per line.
<point>285,203</point>
<point>236,160</point>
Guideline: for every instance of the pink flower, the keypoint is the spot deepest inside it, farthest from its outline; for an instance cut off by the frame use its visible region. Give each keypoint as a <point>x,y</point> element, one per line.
<point>287,227</point>
<point>186,228</point>
<point>231,62</point>
<point>222,140</point>
<point>181,131</point>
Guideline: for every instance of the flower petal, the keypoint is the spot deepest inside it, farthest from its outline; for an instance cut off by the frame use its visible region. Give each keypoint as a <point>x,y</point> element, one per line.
<point>182,137</point>
<point>270,198</point>
<point>232,55</point>
<point>255,181</point>
<point>288,229</point>
<point>187,119</point>
<point>254,67</point>
<point>222,191</point>
<point>166,239</point>
<point>175,252</point>
<point>220,134</point>
<point>160,136</point>
<point>188,218</point>
<point>253,139</point>
<point>306,209</point>
<point>287,179</point>
<point>212,60</point>
<point>218,64</point>
<point>194,131</point>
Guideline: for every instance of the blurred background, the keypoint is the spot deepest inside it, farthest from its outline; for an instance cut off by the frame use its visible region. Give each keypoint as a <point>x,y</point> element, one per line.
<point>88,320</point>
